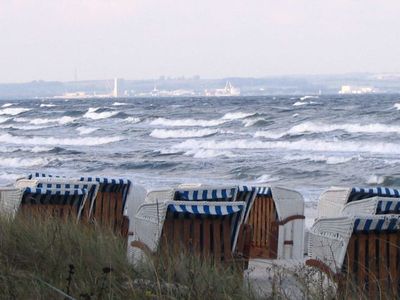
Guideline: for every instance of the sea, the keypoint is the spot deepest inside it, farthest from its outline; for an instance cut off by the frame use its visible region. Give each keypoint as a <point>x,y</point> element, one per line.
<point>305,142</point>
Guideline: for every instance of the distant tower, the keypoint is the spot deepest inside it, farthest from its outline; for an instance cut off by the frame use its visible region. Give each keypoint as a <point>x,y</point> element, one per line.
<point>118,87</point>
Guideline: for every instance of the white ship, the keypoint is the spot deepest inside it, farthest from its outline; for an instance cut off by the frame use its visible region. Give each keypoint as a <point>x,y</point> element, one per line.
<point>228,91</point>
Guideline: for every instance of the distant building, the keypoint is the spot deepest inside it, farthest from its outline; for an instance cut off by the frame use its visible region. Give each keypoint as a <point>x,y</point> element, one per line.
<point>118,87</point>
<point>348,89</point>
<point>229,90</point>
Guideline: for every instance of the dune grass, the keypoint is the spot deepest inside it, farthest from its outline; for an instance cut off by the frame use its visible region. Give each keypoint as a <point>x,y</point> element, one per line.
<point>54,259</point>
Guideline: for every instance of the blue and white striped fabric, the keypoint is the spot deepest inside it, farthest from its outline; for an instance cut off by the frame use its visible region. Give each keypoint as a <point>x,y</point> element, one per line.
<point>205,194</point>
<point>263,190</point>
<point>388,207</point>
<point>105,180</point>
<point>358,193</point>
<point>42,175</point>
<point>365,224</point>
<point>206,209</point>
<point>47,185</point>
<point>46,191</point>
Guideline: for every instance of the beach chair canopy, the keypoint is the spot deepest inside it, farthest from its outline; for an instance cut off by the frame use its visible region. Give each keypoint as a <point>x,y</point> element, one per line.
<point>332,201</point>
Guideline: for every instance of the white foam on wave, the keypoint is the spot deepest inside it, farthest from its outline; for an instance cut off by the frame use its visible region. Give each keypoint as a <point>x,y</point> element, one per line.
<point>299,103</point>
<point>397,106</point>
<point>329,160</point>
<point>314,145</point>
<point>208,153</point>
<point>13,111</point>
<point>47,105</point>
<point>237,115</point>
<point>86,130</point>
<point>352,128</point>
<point>7,104</point>
<point>92,114</point>
<point>308,97</point>
<point>38,149</point>
<point>132,120</point>
<point>39,140</point>
<point>375,179</point>
<point>181,133</point>
<point>4,119</point>
<point>23,162</point>
<point>62,121</point>
<point>119,104</point>
<point>269,134</point>
<point>186,122</point>
<point>266,178</point>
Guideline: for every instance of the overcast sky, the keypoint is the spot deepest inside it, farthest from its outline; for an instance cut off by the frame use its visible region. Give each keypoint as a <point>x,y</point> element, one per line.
<point>136,39</point>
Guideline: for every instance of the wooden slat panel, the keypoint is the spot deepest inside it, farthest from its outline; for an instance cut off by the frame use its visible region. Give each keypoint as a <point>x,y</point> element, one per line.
<point>227,239</point>
<point>178,238</point>
<point>217,241</point>
<point>112,211</point>
<point>392,244</point>
<point>196,235</point>
<point>361,261</point>
<point>206,238</point>
<point>98,207</point>
<point>118,208</point>
<point>372,270</point>
<point>382,263</point>
<point>187,241</point>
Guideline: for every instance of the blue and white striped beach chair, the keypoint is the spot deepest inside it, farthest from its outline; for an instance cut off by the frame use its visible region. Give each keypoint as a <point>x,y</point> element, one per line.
<point>56,202</point>
<point>361,252</point>
<point>202,220</point>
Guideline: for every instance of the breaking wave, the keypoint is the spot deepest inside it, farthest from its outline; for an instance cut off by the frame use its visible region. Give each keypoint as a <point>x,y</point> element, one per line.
<point>62,121</point>
<point>182,133</point>
<point>237,115</point>
<point>300,145</point>
<point>38,140</point>
<point>133,120</point>
<point>119,104</point>
<point>13,111</point>
<point>186,122</point>
<point>92,114</point>
<point>208,153</point>
<point>397,106</point>
<point>85,130</point>
<point>47,105</point>
<point>308,97</point>
<point>7,104</point>
<point>353,128</point>
<point>329,160</point>
<point>23,162</point>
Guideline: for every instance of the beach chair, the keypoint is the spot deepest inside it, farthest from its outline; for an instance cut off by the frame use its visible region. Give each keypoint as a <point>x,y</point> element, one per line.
<point>204,221</point>
<point>332,201</point>
<point>109,204</point>
<point>10,200</point>
<point>361,253</point>
<point>51,182</point>
<point>60,202</point>
<point>276,216</point>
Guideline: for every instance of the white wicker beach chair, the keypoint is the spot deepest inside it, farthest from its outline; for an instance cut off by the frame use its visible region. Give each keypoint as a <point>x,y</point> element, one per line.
<point>332,201</point>
<point>277,217</point>
<point>204,220</point>
<point>10,200</point>
<point>373,206</point>
<point>363,248</point>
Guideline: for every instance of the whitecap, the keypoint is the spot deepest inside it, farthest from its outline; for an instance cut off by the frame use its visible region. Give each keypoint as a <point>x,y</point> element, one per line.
<point>312,127</point>
<point>133,120</point>
<point>251,122</point>
<point>85,130</point>
<point>47,105</point>
<point>119,104</point>
<point>92,114</point>
<point>7,104</point>
<point>397,106</point>
<point>266,178</point>
<point>39,140</point>
<point>23,162</point>
<point>13,111</point>
<point>208,153</point>
<point>186,122</point>
<point>237,115</point>
<point>308,97</point>
<point>3,119</point>
<point>62,121</point>
<point>376,179</point>
<point>38,149</point>
<point>269,134</point>
<point>299,103</point>
<point>329,160</point>
<point>182,133</point>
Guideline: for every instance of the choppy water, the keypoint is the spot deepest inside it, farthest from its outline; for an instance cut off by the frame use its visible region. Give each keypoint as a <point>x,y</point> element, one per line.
<point>302,142</point>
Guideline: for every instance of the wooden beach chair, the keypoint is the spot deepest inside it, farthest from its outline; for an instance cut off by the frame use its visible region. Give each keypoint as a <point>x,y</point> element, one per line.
<point>276,216</point>
<point>107,198</point>
<point>361,253</point>
<point>204,221</point>
<point>332,201</point>
<point>63,203</point>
